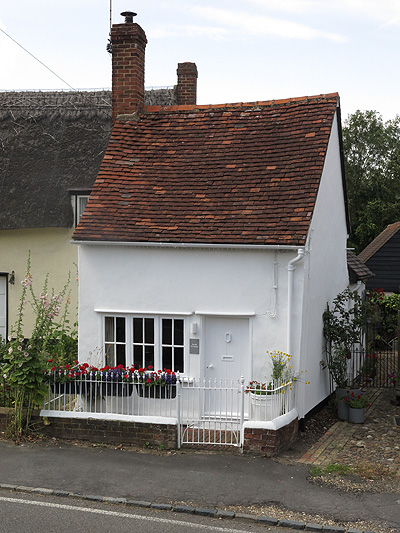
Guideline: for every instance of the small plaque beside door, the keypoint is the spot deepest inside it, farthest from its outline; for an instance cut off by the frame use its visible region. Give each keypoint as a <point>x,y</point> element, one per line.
<point>227,358</point>
<point>194,346</point>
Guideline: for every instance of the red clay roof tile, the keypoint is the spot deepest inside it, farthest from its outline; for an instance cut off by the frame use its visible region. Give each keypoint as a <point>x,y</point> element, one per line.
<point>232,173</point>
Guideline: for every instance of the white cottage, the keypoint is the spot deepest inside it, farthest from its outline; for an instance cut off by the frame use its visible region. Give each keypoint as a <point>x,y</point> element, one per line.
<point>213,233</point>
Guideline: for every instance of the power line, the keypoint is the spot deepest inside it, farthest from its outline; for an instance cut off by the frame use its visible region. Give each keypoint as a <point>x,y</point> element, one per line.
<point>34,57</point>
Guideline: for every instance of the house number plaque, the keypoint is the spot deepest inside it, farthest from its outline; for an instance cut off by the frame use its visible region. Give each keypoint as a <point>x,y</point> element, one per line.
<point>194,346</point>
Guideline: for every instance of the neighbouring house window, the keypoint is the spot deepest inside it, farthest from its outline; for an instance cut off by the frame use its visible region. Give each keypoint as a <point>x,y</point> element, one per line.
<point>145,341</point>
<point>79,199</point>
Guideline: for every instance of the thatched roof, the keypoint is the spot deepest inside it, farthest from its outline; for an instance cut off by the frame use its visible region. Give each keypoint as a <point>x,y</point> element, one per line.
<point>52,143</point>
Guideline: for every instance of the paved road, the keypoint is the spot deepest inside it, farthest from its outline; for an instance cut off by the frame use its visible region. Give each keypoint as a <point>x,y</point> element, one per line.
<point>202,480</point>
<point>58,515</point>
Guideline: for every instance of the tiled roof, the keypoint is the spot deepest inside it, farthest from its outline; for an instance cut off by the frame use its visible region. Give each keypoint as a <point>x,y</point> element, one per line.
<point>378,242</point>
<point>233,173</point>
<point>360,270</point>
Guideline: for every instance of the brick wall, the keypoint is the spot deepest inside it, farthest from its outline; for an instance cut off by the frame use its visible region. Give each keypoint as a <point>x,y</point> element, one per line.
<point>128,56</point>
<point>268,442</point>
<point>257,441</point>
<point>110,432</point>
<point>187,84</point>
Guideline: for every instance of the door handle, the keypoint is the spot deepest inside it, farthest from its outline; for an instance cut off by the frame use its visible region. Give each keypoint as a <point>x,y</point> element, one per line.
<point>210,366</point>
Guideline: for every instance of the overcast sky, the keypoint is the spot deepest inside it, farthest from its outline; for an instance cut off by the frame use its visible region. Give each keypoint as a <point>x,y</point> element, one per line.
<point>245,50</point>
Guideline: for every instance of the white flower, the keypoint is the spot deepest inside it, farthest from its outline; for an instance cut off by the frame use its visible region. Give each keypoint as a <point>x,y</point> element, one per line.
<point>10,350</point>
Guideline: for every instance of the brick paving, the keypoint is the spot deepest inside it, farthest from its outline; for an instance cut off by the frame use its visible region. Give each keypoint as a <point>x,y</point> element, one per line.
<point>341,436</point>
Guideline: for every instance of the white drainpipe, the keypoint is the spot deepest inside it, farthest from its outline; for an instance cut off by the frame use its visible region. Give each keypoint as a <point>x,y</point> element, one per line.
<point>291,269</point>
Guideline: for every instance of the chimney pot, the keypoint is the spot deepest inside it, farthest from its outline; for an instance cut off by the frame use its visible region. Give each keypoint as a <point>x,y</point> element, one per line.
<point>128,16</point>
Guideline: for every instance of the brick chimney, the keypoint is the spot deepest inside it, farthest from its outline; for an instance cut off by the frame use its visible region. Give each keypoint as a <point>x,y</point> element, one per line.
<point>128,43</point>
<point>187,84</point>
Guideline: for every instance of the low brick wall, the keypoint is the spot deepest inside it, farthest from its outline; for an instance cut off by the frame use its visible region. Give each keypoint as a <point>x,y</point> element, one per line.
<point>268,442</point>
<point>257,441</point>
<point>110,431</point>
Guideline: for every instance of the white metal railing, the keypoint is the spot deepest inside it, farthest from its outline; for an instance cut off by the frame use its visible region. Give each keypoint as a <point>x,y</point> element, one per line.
<point>266,404</point>
<point>205,411</point>
<point>108,399</point>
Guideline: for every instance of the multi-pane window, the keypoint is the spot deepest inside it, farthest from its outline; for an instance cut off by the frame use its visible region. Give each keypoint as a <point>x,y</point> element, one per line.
<point>145,341</point>
<point>115,340</point>
<point>172,343</point>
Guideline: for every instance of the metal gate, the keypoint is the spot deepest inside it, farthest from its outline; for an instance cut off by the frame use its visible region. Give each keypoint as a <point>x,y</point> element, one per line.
<point>377,363</point>
<point>211,412</point>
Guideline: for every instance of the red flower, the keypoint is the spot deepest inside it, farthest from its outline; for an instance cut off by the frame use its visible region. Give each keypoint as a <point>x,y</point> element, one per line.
<point>50,361</point>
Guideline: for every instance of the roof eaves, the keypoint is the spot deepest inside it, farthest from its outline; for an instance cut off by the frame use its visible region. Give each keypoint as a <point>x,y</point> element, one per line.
<point>146,244</point>
<point>379,241</point>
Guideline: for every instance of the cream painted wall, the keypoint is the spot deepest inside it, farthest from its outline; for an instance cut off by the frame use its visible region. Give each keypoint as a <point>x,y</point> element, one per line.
<point>51,252</point>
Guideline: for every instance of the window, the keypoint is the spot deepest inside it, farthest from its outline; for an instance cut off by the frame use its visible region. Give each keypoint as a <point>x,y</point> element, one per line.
<point>79,199</point>
<point>145,341</point>
<point>172,344</point>
<point>115,340</point>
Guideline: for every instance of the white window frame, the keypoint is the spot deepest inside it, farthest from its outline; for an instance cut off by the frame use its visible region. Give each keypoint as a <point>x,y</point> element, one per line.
<point>158,345</point>
<point>77,197</point>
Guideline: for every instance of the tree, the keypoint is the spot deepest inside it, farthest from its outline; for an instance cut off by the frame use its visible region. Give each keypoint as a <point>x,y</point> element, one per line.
<point>372,161</point>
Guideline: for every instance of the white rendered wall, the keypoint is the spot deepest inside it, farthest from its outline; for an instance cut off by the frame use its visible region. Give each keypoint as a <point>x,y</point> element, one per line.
<point>182,280</point>
<point>327,275</point>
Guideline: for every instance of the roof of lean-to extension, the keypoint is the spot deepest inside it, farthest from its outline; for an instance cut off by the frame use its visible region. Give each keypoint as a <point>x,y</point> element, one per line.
<point>51,143</point>
<point>357,269</point>
<point>234,173</point>
<point>379,241</point>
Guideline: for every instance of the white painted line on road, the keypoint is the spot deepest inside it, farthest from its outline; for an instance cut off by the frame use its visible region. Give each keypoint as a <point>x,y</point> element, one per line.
<point>123,515</point>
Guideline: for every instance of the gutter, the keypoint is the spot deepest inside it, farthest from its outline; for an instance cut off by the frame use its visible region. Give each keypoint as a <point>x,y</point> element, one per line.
<point>291,268</point>
<point>190,245</point>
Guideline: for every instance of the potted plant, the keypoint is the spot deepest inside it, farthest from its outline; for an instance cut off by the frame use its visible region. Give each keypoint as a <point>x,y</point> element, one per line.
<point>342,329</point>
<point>357,403</point>
<point>155,384</point>
<point>262,404</point>
<point>266,401</point>
<point>62,379</point>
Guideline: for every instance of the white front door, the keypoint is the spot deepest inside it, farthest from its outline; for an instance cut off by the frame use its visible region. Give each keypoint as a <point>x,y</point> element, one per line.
<point>227,348</point>
<point>3,307</point>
